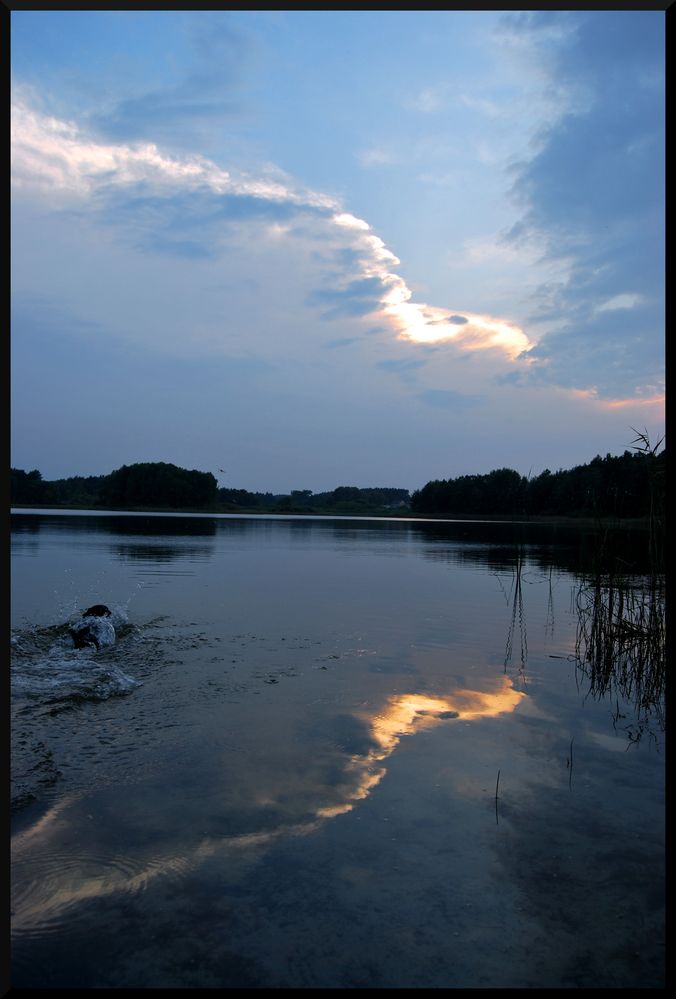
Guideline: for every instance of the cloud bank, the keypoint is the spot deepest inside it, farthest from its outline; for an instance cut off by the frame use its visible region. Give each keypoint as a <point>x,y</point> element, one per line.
<point>214,309</point>
<point>176,205</point>
<point>593,196</point>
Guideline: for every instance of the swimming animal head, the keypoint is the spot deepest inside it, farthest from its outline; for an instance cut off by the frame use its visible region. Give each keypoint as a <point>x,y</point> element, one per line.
<point>97,610</point>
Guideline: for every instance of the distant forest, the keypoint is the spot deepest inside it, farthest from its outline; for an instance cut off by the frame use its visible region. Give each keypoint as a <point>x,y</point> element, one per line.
<point>163,486</point>
<point>628,485</point>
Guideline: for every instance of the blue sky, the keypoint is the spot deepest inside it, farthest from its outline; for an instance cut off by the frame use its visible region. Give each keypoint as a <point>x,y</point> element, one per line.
<point>335,247</point>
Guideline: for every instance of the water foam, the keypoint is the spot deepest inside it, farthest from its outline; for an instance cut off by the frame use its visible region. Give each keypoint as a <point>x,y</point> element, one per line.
<point>46,667</point>
<point>58,677</point>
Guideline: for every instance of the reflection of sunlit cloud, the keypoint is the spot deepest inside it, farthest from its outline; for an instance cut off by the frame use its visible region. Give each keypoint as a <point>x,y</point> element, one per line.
<point>67,885</point>
<point>367,778</point>
<point>63,886</point>
<point>46,824</point>
<point>406,714</point>
<point>403,715</point>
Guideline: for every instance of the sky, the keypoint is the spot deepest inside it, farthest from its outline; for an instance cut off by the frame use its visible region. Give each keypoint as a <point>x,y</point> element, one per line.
<point>304,249</point>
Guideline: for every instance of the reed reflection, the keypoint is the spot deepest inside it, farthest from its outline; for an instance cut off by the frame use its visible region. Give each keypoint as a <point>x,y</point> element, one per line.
<point>517,621</point>
<point>620,644</point>
<point>621,647</point>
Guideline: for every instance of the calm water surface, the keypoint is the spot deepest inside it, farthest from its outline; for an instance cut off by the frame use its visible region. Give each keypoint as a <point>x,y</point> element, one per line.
<point>284,772</point>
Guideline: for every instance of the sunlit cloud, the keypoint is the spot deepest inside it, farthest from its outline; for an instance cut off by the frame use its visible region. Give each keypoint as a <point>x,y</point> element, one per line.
<point>427,323</point>
<point>657,401</point>
<point>652,397</point>
<point>54,156</point>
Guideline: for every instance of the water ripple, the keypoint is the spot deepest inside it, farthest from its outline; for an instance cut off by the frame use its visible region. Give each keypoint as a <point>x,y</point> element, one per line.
<point>61,880</point>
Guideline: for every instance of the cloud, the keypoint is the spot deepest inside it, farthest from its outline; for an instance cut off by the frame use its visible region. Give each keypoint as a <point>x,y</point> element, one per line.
<point>360,297</point>
<point>202,97</point>
<point>427,101</point>
<point>483,105</point>
<point>623,301</point>
<point>377,156</point>
<point>55,156</point>
<point>593,196</point>
<point>181,291</point>
<point>448,399</point>
<point>345,341</point>
<point>193,223</point>
<point>182,206</point>
<point>404,368</point>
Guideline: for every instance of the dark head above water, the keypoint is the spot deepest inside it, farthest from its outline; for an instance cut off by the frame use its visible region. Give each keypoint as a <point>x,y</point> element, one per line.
<point>97,610</point>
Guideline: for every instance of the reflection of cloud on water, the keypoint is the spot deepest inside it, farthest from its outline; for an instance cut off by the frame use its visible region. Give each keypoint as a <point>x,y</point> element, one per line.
<point>55,886</point>
<point>58,881</point>
<point>406,714</point>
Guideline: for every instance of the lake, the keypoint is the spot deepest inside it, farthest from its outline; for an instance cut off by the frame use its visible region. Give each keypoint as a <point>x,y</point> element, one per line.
<point>327,753</point>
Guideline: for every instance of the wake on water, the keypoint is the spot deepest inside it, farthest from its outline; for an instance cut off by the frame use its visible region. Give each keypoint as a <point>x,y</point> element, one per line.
<point>45,665</point>
<point>48,676</point>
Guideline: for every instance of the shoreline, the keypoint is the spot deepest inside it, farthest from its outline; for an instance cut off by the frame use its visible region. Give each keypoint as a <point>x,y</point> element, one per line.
<point>581,520</point>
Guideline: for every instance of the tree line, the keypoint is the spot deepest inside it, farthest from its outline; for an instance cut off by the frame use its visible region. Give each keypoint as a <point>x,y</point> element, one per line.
<point>160,485</point>
<point>343,499</point>
<point>146,485</point>
<point>628,485</point>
